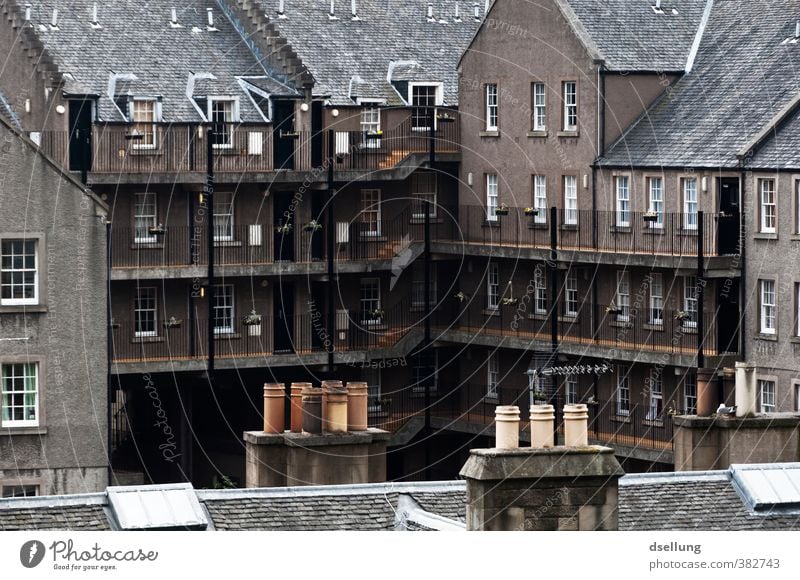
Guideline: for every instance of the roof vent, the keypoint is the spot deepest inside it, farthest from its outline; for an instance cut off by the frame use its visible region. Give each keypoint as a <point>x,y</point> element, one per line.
<point>210,27</point>
<point>431,18</point>
<point>793,39</point>
<point>354,10</point>
<point>476,11</point>
<point>54,20</point>
<point>27,13</point>
<point>281,9</point>
<point>457,14</point>
<point>174,19</point>
<point>657,7</point>
<point>332,13</point>
<point>95,23</point>
<point>797,29</point>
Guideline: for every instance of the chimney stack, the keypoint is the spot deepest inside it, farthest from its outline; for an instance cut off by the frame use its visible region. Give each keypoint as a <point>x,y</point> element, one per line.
<point>745,390</point>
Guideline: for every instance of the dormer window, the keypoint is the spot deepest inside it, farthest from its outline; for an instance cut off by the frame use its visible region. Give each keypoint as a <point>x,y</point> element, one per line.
<point>223,112</point>
<point>144,115</point>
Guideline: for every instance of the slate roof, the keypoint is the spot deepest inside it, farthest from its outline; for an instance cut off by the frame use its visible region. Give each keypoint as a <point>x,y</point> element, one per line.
<point>691,501</point>
<point>78,513</point>
<point>136,38</point>
<point>743,75</point>
<point>387,31</point>
<point>630,36</point>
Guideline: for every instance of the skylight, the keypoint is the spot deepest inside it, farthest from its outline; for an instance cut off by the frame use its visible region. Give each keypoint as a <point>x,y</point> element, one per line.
<point>768,487</point>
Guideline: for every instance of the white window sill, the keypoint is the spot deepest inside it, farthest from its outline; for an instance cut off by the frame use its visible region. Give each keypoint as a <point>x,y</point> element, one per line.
<point>489,133</point>
<point>765,236</point>
<point>537,134</point>
<point>568,133</point>
<point>7,429</point>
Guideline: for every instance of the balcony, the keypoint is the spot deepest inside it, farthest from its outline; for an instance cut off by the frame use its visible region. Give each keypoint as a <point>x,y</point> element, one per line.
<point>674,235</point>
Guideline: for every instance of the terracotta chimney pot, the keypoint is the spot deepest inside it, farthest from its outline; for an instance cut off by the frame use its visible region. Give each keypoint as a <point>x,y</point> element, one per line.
<point>274,404</point>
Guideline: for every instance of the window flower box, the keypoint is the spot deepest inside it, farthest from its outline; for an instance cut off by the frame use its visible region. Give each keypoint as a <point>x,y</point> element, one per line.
<point>531,212</point>
<point>312,226</point>
<point>650,217</point>
<point>158,230</point>
<point>283,229</point>
<point>252,319</point>
<point>502,210</point>
<point>173,322</point>
<point>289,134</point>
<point>460,296</point>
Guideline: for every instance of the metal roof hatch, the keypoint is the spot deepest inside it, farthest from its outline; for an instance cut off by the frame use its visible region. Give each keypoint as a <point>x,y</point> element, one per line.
<point>160,507</point>
<point>768,488</point>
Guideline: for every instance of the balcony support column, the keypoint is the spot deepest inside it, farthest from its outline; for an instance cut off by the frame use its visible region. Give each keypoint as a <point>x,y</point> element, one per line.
<point>329,234</point>
<point>701,283</point>
<point>209,200</point>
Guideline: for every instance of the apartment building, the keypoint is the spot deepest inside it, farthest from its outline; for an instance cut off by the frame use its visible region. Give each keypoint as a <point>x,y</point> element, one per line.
<point>53,397</point>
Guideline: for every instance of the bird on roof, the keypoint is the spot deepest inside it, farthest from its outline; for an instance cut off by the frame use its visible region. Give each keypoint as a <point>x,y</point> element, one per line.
<point>723,410</point>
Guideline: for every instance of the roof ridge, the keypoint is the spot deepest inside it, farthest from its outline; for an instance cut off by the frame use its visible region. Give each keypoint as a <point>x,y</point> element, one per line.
<point>331,490</point>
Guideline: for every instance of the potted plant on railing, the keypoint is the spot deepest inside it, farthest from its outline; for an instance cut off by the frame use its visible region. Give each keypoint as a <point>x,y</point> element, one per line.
<point>253,323</point>
<point>312,226</point>
<point>531,211</point>
<point>158,230</point>
<point>289,134</point>
<point>650,216</point>
<point>283,228</point>
<point>173,322</point>
<point>374,134</point>
<point>502,209</point>
<point>460,296</point>
<point>445,118</point>
<point>612,309</point>
<point>376,314</point>
<point>682,316</point>
<point>509,301</point>
<point>539,396</point>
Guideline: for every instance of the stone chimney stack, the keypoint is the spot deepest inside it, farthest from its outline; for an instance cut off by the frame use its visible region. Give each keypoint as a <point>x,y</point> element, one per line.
<point>543,488</point>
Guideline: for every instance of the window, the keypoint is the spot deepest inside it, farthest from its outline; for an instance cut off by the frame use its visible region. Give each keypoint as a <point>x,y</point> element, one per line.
<point>690,394</point>
<point>424,371</point>
<point>372,376</point>
<point>797,309</point>
<point>371,312</point>
<point>144,116</point>
<point>222,112</point>
<point>423,192</point>
<point>491,197</point>
<point>540,289</point>
<point>656,299</point>
<point>423,99</point>
<point>492,107</point>
<point>370,216</point>
<point>571,294</point>
<point>622,300</point>
<point>656,387</point>
<point>767,193</point>
<point>492,375</point>
<point>690,301</point>
<point>223,216</point>
<point>10,491</point>
<point>767,299</point>
<point>570,106</point>
<point>20,395</point>
<point>623,392</point>
<point>570,199</point>
<point>540,198</point>
<point>418,286</point>
<point>571,389</point>
<point>223,309</point>
<point>145,312</point>
<point>797,397</point>
<point>623,202</point>
<point>766,396</point>
<point>539,107</point>
<point>145,217</point>
<point>19,273</point>
<point>493,287</point>
<point>370,125</point>
<point>690,203</point>
<point>655,189</point>
<point>797,207</point>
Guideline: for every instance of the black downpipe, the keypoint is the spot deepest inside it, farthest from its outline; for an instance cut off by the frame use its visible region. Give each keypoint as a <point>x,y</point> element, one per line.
<point>209,194</point>
<point>742,267</point>
<point>331,240</point>
<point>701,361</point>
<point>110,352</point>
<point>426,343</point>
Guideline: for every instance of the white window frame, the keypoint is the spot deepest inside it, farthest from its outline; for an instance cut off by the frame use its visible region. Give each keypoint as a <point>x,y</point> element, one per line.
<point>492,196</point>
<point>571,294</point>
<point>142,212</point>
<point>417,374</point>
<point>12,491</point>
<point>492,375</point>
<point>690,394</point>
<point>540,304</point>
<point>539,92</point>
<point>13,272</point>
<point>622,188</point>
<point>690,301</point>
<point>656,299</point>
<point>150,294</point>
<point>570,96</point>
<point>571,389</point>
<point>656,406</point>
<point>690,203</point>
<point>224,232</point>
<point>370,214</point>
<point>372,376</point>
<point>228,291</point>
<point>234,118</point>
<point>622,296</point>
<point>370,121</point>
<point>622,394</point>
<point>493,286</point>
<point>767,395</point>
<point>655,201</point>
<point>421,181</point>
<point>797,207</point>
<point>797,309</point>
<point>768,309</point>
<point>491,98</point>
<point>438,102</point>
<point>768,218</point>
<point>149,126</point>
<point>370,303</point>
<point>540,198</point>
<point>570,183</point>
<point>12,423</point>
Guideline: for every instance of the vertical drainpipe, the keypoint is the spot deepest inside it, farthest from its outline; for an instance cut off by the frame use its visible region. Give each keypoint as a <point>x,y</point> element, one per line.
<point>742,247</point>
<point>109,354</point>
<point>427,263</point>
<point>331,159</point>
<point>209,191</point>
<point>700,290</point>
